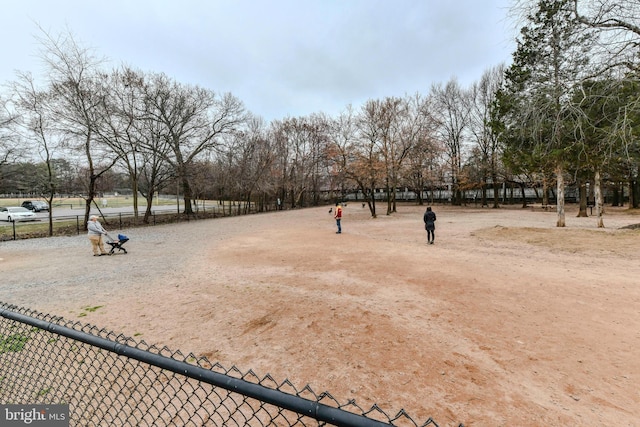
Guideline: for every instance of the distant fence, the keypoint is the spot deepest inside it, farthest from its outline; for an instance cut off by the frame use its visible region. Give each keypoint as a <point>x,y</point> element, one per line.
<point>65,225</point>
<point>112,380</point>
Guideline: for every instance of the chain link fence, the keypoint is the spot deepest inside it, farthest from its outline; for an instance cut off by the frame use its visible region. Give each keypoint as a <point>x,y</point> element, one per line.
<point>112,380</point>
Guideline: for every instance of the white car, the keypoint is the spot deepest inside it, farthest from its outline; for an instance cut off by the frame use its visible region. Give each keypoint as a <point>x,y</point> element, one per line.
<point>17,214</point>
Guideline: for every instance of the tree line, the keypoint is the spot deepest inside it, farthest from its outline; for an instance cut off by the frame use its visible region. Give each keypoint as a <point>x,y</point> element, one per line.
<point>568,108</point>
<point>564,112</point>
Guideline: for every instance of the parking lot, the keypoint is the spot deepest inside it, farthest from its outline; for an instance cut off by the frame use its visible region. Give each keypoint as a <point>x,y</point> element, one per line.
<point>69,212</point>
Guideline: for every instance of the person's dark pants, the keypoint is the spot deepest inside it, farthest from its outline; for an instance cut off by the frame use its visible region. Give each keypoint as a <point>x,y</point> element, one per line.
<point>339,227</point>
<point>431,235</point>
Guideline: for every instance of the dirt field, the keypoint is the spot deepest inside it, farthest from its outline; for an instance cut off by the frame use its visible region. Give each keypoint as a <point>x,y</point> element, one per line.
<point>505,321</point>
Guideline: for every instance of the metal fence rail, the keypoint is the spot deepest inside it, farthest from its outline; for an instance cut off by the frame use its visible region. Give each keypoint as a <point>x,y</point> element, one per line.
<point>112,380</point>
<point>65,225</point>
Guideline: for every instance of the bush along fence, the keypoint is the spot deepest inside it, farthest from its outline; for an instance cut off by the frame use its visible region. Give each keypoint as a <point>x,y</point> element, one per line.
<point>112,380</point>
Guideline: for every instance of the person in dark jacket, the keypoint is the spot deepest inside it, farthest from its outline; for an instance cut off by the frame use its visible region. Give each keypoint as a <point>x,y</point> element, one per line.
<point>429,219</point>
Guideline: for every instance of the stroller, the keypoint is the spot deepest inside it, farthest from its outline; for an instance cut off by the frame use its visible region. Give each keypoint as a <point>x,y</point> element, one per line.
<point>117,244</point>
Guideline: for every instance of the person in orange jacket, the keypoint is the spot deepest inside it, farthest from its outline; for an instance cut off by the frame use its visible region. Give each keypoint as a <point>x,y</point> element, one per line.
<point>338,217</point>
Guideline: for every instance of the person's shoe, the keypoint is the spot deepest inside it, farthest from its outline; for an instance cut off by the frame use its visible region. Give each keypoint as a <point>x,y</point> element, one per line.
<point>338,232</point>
<point>96,254</point>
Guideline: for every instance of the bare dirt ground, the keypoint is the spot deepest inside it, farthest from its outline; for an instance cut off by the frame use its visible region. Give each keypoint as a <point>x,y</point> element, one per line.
<point>506,320</point>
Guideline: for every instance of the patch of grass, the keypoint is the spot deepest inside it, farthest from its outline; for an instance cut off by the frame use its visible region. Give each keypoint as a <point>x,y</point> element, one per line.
<point>44,391</point>
<point>29,230</point>
<point>14,343</point>
<point>89,310</point>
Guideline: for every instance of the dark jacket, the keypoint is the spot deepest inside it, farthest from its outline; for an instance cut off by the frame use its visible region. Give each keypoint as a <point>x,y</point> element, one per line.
<point>429,220</point>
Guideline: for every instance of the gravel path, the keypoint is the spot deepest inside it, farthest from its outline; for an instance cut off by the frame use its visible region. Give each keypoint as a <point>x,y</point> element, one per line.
<point>49,272</point>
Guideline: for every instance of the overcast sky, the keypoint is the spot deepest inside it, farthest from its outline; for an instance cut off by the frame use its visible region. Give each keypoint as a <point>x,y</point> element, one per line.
<point>280,57</point>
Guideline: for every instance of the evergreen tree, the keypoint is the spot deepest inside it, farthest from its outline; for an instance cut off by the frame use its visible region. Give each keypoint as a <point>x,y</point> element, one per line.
<point>550,58</point>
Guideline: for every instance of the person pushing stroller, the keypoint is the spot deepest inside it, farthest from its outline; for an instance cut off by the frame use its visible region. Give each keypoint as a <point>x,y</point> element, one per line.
<point>95,231</point>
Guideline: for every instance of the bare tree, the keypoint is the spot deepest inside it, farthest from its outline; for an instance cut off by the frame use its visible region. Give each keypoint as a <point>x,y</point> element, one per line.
<point>341,155</point>
<point>394,126</point>
<point>318,126</point>
<point>122,127</point>
<point>154,169</point>
<point>194,121</point>
<point>354,157</point>
<point>414,125</point>
<point>618,32</point>
<point>451,112</point>
<point>370,165</point>
<point>249,162</point>
<point>386,115</point>
<point>37,130</point>
<point>486,139</point>
<point>299,146</point>
<point>413,132</point>
<point>423,166</point>
<point>10,150</point>
<point>77,86</point>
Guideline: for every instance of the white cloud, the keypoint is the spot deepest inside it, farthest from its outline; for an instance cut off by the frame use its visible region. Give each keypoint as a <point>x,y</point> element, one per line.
<point>281,57</point>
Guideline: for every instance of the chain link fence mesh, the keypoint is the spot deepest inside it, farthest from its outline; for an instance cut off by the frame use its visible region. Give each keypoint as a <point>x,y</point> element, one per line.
<point>112,380</point>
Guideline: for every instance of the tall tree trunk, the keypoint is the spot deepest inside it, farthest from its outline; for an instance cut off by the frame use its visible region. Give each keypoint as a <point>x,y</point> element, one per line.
<point>90,196</point>
<point>560,196</point>
<point>634,192</point>
<point>388,190</point>
<point>483,197</point>
<point>187,197</point>
<point>372,203</point>
<point>147,212</point>
<point>597,193</point>
<point>524,194</point>
<point>496,196</point>
<point>582,194</point>
<point>616,196</point>
<point>545,192</point>
<point>504,192</point>
<point>134,188</point>
<point>50,213</point>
